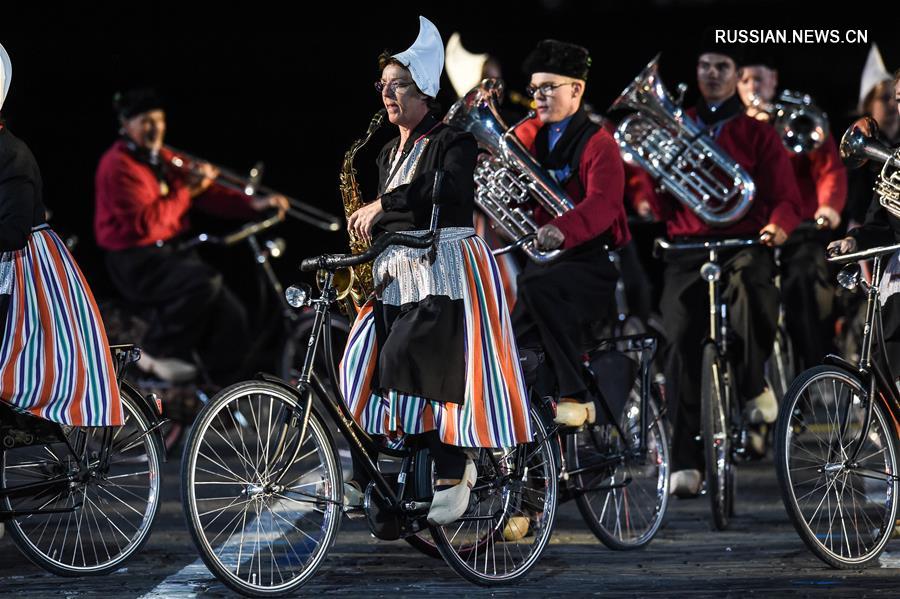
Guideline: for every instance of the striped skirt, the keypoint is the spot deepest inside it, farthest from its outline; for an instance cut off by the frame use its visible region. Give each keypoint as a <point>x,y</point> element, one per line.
<point>55,361</point>
<point>426,301</point>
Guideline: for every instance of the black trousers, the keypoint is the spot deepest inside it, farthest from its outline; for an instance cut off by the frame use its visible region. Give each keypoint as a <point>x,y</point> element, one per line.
<point>748,290</point>
<point>557,305</point>
<point>192,308</point>
<point>808,290</point>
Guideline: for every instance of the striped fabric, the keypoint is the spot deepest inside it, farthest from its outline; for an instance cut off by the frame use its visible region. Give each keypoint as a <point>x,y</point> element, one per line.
<point>494,412</point>
<point>55,361</point>
<point>509,267</point>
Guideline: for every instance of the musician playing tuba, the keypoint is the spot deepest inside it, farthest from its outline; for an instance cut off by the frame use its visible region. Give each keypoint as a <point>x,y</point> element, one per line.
<point>432,353</point>
<point>748,273</point>
<point>141,199</point>
<point>559,301</point>
<point>806,283</point>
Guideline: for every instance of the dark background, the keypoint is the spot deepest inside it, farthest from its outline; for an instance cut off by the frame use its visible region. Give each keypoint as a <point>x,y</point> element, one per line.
<point>291,84</point>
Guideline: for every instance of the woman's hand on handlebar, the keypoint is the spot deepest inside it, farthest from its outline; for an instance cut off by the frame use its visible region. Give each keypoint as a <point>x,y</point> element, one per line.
<point>843,246</point>
<point>772,235</point>
<point>362,221</point>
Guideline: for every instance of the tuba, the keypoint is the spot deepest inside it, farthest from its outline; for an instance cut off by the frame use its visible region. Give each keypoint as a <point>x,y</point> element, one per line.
<point>676,151</point>
<point>507,176</point>
<point>860,144</point>
<point>357,281</point>
<point>802,125</point>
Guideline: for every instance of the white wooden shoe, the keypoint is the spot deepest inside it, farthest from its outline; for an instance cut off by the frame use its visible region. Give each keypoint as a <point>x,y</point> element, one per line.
<point>573,413</point>
<point>448,505</point>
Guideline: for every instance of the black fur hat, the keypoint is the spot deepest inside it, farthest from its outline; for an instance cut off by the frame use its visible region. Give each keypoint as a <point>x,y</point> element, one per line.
<point>709,43</point>
<point>135,101</point>
<point>561,58</point>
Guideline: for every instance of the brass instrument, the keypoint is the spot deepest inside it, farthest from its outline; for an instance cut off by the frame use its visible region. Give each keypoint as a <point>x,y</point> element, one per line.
<point>357,281</point>
<point>860,144</point>
<point>677,152</point>
<point>801,125</point>
<point>250,186</point>
<point>507,177</point>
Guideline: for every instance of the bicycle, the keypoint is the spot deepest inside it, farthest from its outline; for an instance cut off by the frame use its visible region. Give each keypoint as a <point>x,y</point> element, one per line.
<point>836,441</point>
<point>81,500</point>
<point>262,485</point>
<point>278,324</point>
<point>617,469</point>
<point>725,433</point>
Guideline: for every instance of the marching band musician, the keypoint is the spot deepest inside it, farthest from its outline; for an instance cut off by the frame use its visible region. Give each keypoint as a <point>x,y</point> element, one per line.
<point>141,201</point>
<point>748,273</point>
<point>876,99</point>
<point>881,227</point>
<point>432,353</point>
<point>806,283</point>
<point>559,302</point>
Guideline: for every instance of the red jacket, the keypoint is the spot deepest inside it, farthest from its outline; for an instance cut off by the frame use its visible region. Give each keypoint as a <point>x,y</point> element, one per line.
<point>597,191</point>
<point>756,146</point>
<point>822,179</point>
<point>131,210</point>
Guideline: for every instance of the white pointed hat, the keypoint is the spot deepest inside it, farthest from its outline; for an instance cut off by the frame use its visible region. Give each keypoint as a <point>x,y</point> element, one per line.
<point>425,58</point>
<point>5,74</point>
<point>463,67</point>
<point>873,73</point>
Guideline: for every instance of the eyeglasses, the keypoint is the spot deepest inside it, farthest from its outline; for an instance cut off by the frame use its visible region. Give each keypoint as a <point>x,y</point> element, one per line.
<point>393,87</point>
<point>545,89</point>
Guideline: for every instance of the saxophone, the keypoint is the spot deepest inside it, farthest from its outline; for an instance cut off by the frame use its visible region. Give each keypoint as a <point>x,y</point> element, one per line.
<point>359,283</point>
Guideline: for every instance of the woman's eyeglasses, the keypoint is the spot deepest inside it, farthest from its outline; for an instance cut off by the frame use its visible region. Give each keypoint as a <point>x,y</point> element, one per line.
<point>393,87</point>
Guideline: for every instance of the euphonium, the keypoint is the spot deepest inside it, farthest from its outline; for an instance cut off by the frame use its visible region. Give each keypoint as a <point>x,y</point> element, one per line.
<point>676,151</point>
<point>358,280</point>
<point>860,144</point>
<point>802,125</point>
<point>507,176</point>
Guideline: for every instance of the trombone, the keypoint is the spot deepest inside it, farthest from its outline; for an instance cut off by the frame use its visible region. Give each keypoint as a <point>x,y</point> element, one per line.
<point>250,186</point>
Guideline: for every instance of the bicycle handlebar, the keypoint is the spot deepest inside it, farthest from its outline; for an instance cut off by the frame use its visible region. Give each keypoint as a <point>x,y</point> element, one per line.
<point>865,254</point>
<point>232,238</point>
<point>723,244</point>
<point>333,262</point>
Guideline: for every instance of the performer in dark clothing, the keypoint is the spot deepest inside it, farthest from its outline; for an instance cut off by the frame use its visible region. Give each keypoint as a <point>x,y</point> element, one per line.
<point>432,352</point>
<point>806,281</point>
<point>142,202</point>
<point>558,302</point>
<point>748,274</point>
<point>880,228</point>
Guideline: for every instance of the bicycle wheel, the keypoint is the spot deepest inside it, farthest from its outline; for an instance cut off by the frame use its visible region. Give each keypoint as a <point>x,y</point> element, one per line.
<point>488,545</point>
<point>844,512</point>
<point>622,495</point>
<point>715,421</point>
<point>259,534</point>
<point>105,512</point>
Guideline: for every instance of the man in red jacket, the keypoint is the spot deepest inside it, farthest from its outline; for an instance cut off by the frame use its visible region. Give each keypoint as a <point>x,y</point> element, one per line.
<point>558,302</point>
<point>141,202</point>
<point>806,283</point>
<point>748,274</point>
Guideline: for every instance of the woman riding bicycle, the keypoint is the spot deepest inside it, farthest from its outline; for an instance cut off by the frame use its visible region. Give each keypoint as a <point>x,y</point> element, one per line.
<point>432,353</point>
<point>55,361</point>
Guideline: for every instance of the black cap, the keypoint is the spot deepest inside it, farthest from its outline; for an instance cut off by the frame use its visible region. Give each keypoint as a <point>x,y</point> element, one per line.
<point>719,44</point>
<point>561,58</point>
<point>136,101</point>
<point>759,56</point>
